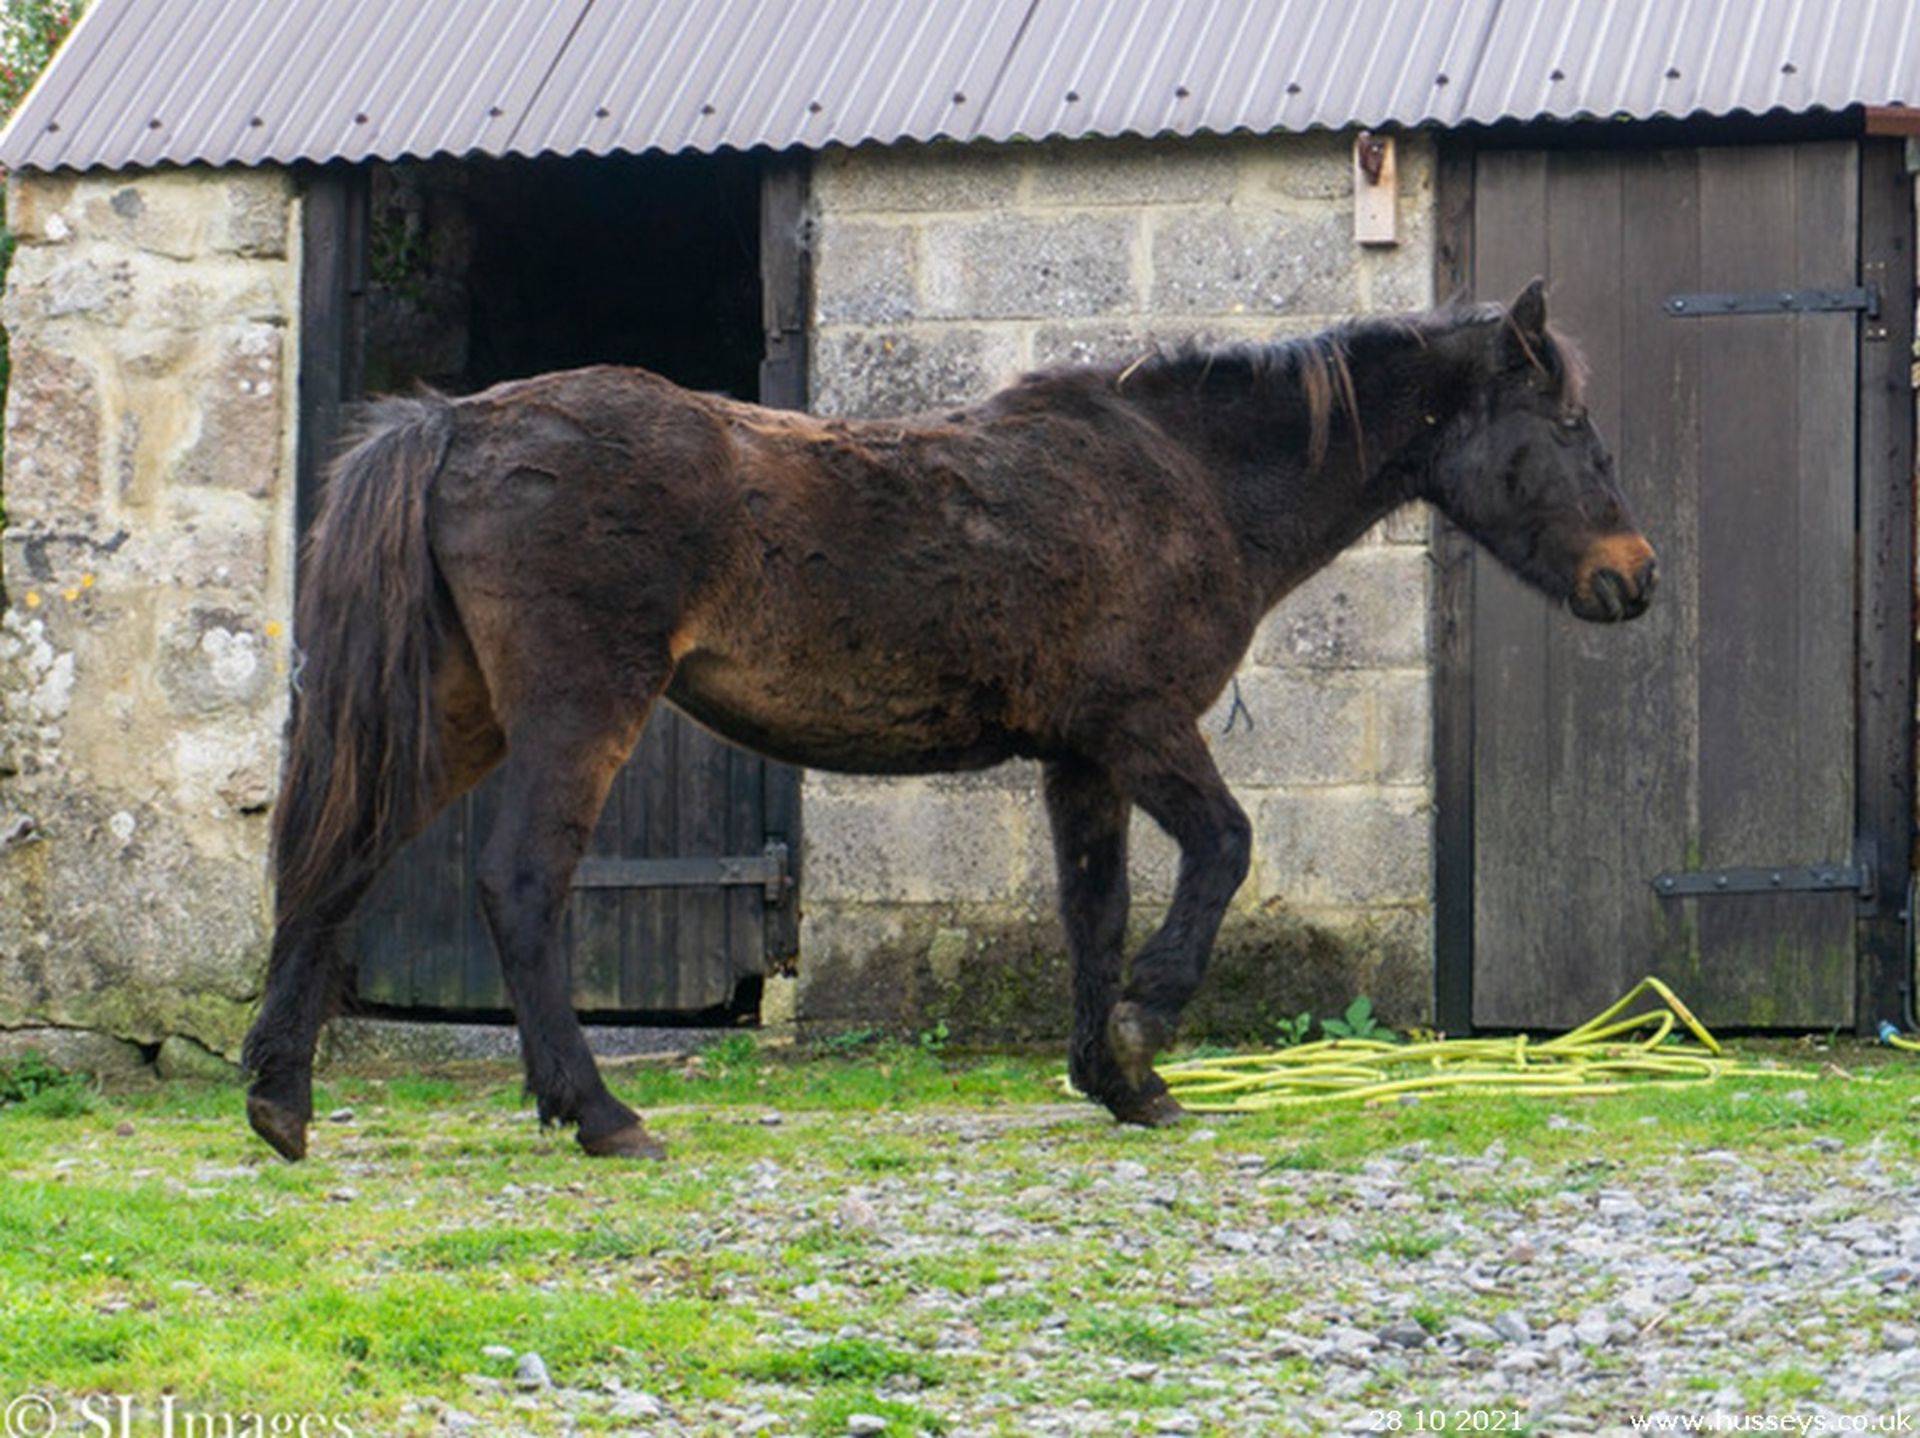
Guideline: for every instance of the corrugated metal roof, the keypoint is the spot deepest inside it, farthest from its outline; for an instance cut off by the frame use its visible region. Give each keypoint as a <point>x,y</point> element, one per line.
<point>700,75</point>
<point>144,82</point>
<point>1093,67</point>
<point>1686,57</point>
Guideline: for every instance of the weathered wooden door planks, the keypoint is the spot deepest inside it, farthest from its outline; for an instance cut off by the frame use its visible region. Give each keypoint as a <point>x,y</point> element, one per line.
<point>1719,731</point>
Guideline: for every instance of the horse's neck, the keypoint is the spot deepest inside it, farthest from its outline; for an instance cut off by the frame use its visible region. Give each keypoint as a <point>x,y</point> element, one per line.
<point>1291,515</point>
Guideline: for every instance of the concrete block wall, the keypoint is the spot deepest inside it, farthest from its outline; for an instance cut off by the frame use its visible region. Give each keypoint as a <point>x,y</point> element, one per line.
<point>943,272</point>
<point>148,572</point>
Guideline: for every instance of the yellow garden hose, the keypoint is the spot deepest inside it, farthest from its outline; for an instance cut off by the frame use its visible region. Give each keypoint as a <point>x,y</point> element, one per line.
<point>1893,1038</point>
<point>1597,1057</point>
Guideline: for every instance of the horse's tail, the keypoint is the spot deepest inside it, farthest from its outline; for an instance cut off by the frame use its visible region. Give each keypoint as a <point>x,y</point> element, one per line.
<point>363,752</point>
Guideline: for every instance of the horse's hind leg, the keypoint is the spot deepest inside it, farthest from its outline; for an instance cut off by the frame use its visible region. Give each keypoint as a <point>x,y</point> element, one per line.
<point>1177,784</point>
<point>303,983</point>
<point>561,761</point>
<point>1088,812</point>
<point>305,975</point>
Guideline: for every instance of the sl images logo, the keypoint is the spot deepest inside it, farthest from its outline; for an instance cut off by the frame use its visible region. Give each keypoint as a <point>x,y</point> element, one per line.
<point>119,1415</point>
<point>29,1416</point>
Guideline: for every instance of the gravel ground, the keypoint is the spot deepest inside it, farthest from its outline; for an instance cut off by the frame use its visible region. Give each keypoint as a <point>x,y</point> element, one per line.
<point>1190,1285</point>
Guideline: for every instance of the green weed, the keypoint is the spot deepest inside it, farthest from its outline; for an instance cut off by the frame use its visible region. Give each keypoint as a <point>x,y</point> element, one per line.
<point>1290,1033</point>
<point>852,1041</point>
<point>843,1360</point>
<point>1358,1023</point>
<point>30,1079</point>
<point>1136,1336</point>
<point>1407,1243</point>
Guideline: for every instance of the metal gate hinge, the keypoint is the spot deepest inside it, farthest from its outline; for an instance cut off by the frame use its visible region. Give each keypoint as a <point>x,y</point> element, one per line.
<point>1776,879</point>
<point>1774,302</point>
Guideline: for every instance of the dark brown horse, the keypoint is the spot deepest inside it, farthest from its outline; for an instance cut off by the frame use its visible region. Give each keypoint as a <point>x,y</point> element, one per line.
<point>1069,571</point>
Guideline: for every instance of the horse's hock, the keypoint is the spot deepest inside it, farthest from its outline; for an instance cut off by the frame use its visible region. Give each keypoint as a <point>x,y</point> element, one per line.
<point>151,431</point>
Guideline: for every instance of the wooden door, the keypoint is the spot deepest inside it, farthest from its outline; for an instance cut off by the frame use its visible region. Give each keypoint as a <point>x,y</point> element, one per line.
<point>687,890</point>
<point>1714,740</point>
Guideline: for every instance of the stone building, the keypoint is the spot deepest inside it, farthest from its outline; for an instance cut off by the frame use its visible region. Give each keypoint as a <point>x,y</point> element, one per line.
<point>207,275</point>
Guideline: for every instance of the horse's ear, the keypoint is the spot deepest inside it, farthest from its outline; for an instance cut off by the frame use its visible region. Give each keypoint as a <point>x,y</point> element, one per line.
<point>1529,311</point>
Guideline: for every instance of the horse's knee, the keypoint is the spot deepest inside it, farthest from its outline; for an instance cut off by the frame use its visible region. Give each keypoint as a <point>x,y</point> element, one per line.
<point>1220,855</point>
<point>1235,845</point>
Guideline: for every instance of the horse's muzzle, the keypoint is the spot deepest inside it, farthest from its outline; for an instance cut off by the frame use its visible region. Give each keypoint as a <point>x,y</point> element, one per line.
<point>1615,580</point>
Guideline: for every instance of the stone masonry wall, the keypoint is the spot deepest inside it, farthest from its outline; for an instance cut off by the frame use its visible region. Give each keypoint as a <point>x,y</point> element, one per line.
<point>943,272</point>
<point>143,648</point>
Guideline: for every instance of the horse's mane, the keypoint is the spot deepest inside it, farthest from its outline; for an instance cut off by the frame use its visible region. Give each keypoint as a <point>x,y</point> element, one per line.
<point>1317,368</point>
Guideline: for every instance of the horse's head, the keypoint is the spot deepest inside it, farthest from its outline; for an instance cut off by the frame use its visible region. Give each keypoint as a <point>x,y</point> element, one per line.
<point>1520,467</point>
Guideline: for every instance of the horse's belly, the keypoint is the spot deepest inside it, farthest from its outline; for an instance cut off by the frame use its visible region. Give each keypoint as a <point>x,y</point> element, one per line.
<point>855,724</point>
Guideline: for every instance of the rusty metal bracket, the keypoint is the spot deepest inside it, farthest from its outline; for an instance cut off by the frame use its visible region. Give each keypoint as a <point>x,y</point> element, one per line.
<point>1370,150</point>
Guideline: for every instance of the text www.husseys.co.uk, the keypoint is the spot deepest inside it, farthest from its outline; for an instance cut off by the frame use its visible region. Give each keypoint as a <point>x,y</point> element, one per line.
<point>1900,1420</point>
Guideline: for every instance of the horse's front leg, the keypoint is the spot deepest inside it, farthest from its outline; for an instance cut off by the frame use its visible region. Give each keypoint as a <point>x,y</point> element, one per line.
<point>1176,782</point>
<point>1088,812</point>
<point>555,782</point>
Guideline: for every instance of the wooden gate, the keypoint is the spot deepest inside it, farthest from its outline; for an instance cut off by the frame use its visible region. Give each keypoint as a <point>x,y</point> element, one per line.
<point>687,892</point>
<point>1684,795</point>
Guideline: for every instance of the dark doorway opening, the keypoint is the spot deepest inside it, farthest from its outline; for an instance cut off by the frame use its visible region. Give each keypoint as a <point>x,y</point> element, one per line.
<point>642,260</point>
<point>489,270</point>
<point>475,272</point>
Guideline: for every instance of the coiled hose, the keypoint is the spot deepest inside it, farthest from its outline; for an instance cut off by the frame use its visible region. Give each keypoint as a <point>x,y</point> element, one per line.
<point>1595,1058</point>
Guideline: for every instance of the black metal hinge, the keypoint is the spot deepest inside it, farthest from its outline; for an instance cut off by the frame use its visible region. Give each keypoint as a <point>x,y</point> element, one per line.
<point>1775,879</point>
<point>767,869</point>
<point>1864,298</point>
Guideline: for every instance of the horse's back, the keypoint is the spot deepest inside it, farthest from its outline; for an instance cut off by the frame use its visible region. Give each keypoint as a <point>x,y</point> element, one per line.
<point>935,592</point>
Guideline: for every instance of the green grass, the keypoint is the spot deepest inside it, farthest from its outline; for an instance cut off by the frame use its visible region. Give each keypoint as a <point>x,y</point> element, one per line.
<point>1406,1241</point>
<point>149,1244</point>
<point>828,1413</point>
<point>840,1361</point>
<point>1141,1337</point>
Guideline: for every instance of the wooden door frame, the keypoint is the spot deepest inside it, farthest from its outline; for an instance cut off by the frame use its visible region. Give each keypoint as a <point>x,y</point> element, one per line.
<point>786,303</point>
<point>334,257</point>
<point>1884,663</point>
<point>1884,585</point>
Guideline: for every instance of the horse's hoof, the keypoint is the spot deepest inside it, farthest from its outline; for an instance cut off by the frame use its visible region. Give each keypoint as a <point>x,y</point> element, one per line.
<point>633,1141</point>
<point>1160,1110</point>
<point>1135,1036</point>
<point>279,1126</point>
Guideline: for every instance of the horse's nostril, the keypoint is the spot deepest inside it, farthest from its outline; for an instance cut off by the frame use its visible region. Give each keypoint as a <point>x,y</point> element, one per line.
<point>1610,589</point>
<point>1647,577</point>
